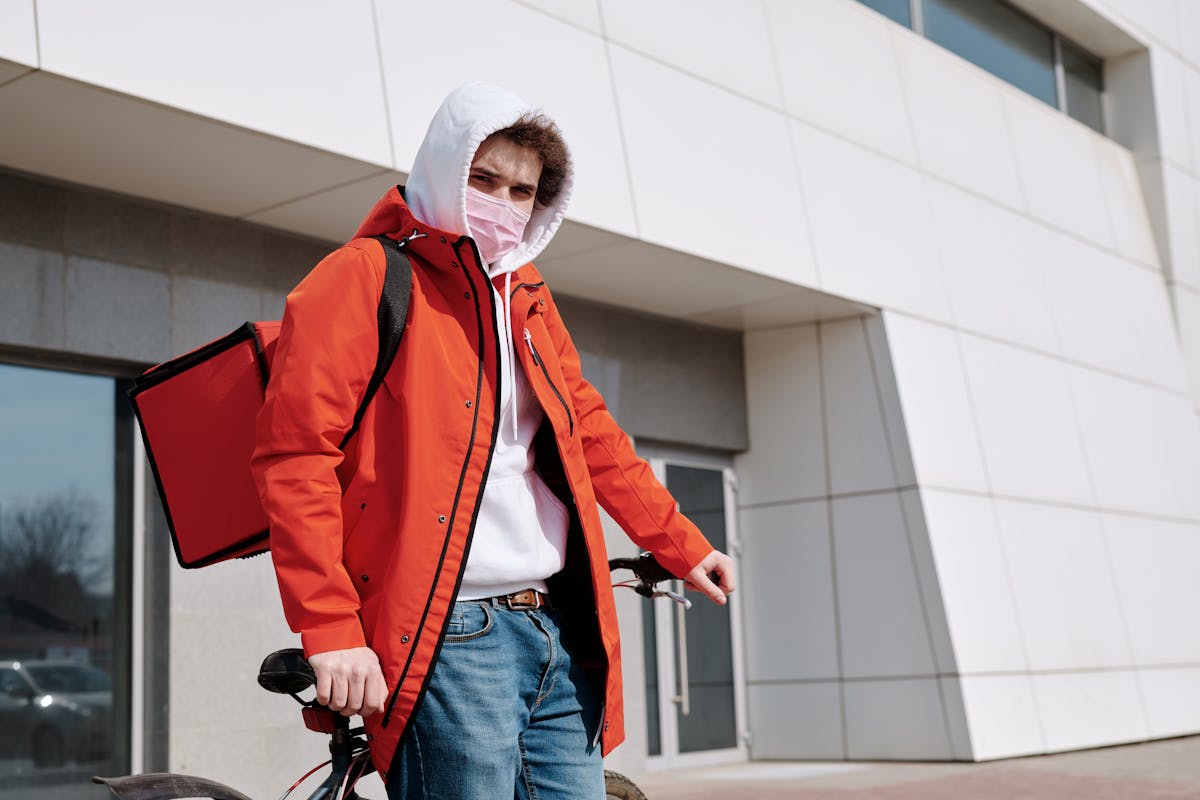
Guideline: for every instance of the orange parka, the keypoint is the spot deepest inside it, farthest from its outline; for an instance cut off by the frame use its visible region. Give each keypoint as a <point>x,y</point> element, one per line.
<point>369,543</point>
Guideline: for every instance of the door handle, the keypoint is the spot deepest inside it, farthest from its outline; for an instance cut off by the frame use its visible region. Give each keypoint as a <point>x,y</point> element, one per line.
<point>685,690</point>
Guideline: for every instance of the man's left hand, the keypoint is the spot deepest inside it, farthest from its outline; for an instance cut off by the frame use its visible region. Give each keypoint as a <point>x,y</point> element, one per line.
<point>721,566</point>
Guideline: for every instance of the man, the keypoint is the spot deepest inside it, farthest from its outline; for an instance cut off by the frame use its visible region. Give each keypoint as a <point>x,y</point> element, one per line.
<point>446,571</point>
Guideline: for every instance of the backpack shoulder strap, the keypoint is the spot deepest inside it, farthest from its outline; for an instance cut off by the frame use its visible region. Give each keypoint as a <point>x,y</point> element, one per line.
<point>393,313</point>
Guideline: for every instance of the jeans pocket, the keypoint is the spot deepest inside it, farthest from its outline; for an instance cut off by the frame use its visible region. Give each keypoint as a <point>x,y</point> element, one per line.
<point>468,621</point>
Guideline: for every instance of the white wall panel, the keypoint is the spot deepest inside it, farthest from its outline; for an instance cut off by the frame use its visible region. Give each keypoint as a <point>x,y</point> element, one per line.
<point>712,172</point>
<point>1132,231</point>
<point>976,591</point>
<point>1063,586</point>
<point>1128,431</point>
<point>1171,107</point>
<point>824,37</point>
<point>1082,709</point>
<point>791,721</point>
<point>1058,168</point>
<point>860,458</point>
<point>1181,192</point>
<point>1109,312</point>
<point>791,625</point>
<point>900,719</point>
<point>939,421</point>
<point>306,72</point>
<point>958,119</point>
<point>18,32</point>
<point>992,268</point>
<point>786,459</point>
<point>870,224</point>
<point>883,627</point>
<point>1191,94</point>
<point>1187,312</point>
<point>1189,21</point>
<point>1002,714</point>
<point>1026,422</point>
<point>1172,702</point>
<point>584,13</point>
<point>460,38</point>
<point>928,581</point>
<point>1156,563</point>
<point>1156,18</point>
<point>722,41</point>
<point>885,375</point>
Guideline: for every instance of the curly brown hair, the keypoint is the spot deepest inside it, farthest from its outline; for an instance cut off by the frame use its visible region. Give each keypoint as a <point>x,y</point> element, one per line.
<point>539,133</point>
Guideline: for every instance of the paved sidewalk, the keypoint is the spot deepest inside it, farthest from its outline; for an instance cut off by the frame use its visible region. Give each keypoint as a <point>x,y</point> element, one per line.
<point>1150,771</point>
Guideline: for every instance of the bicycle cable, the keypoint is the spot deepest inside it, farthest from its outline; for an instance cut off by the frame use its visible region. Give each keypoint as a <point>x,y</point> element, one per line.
<point>303,778</point>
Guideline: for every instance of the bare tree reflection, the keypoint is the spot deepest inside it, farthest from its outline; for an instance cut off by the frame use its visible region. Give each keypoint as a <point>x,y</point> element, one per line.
<point>49,567</point>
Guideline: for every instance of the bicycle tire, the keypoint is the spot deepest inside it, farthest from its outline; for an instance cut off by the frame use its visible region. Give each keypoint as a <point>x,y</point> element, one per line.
<point>618,787</point>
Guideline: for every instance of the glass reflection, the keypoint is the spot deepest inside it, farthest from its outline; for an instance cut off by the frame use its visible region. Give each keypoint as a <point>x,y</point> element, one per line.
<point>1001,40</point>
<point>57,540</point>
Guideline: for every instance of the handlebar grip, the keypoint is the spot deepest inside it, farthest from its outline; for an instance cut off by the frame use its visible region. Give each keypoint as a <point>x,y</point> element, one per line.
<point>645,566</point>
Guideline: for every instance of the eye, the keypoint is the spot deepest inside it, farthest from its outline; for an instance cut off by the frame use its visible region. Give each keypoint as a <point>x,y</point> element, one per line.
<point>481,178</point>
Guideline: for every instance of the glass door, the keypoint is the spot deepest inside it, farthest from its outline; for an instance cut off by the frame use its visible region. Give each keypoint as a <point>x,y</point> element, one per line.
<point>693,658</point>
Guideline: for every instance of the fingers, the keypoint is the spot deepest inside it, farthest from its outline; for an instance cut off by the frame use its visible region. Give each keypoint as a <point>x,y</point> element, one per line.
<point>349,681</point>
<point>324,682</point>
<point>705,585</point>
<point>375,693</point>
<point>714,577</point>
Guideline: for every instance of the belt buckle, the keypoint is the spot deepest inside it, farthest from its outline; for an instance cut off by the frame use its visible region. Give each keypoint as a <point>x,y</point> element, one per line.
<point>534,606</point>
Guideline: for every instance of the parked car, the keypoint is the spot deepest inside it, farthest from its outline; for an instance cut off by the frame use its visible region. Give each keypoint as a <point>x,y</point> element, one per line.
<point>55,711</point>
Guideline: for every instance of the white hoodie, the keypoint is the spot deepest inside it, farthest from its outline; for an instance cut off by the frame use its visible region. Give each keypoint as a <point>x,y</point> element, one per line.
<point>521,532</point>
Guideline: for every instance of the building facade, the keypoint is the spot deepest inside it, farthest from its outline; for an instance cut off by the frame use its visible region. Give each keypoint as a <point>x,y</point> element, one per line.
<point>901,299</point>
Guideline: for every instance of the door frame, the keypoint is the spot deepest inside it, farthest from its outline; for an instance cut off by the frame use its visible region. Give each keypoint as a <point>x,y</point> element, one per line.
<point>670,758</point>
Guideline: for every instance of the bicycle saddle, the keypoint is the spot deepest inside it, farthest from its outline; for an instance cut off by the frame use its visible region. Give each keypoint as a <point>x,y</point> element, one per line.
<point>286,672</point>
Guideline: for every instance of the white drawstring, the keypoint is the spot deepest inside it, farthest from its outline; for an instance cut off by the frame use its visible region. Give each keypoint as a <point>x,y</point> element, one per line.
<point>512,352</point>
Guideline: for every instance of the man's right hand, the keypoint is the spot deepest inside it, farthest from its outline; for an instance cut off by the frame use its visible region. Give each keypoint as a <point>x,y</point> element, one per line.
<point>350,681</point>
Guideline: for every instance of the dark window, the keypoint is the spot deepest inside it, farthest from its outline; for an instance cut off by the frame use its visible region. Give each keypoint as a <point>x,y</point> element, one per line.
<point>1001,40</point>
<point>898,10</point>
<point>1011,46</point>
<point>65,490</point>
<point>1083,80</point>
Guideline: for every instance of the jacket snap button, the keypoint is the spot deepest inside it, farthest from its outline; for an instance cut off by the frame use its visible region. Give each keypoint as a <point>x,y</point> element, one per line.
<point>403,640</point>
<point>454,264</point>
<point>365,578</point>
<point>541,301</point>
<point>443,238</point>
<point>468,404</point>
<point>467,295</point>
<point>364,505</point>
<point>441,517</point>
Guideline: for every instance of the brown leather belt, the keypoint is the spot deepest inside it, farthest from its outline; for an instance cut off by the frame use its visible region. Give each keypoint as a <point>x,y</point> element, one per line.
<point>524,600</point>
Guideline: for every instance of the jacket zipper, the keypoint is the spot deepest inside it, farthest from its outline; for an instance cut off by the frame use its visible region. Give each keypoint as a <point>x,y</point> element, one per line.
<point>387,716</point>
<point>538,360</point>
<point>521,286</point>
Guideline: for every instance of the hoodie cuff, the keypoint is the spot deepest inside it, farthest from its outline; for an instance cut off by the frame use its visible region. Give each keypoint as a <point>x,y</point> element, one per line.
<point>339,636</point>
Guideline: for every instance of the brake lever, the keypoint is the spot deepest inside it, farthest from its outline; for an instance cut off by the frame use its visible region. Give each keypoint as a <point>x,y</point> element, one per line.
<point>678,598</point>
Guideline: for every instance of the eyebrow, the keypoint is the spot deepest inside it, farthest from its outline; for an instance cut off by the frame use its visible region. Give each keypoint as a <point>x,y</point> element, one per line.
<point>490,174</point>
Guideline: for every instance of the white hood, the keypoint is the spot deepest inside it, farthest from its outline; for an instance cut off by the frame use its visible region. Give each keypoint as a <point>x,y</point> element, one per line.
<point>437,185</point>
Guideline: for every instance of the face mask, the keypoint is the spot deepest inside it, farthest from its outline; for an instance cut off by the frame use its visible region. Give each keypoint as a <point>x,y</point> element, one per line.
<point>496,225</point>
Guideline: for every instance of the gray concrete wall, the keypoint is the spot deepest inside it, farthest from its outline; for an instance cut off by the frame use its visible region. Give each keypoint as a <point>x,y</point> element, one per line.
<point>104,276</point>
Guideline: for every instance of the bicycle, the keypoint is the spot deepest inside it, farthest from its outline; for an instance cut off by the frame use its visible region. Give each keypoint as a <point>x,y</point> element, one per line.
<point>288,672</point>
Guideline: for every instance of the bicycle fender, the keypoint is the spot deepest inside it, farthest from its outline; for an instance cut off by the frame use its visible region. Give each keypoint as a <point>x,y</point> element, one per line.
<point>165,786</point>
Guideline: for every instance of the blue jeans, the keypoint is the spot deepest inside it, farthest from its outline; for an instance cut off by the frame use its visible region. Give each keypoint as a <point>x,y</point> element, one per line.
<point>506,714</point>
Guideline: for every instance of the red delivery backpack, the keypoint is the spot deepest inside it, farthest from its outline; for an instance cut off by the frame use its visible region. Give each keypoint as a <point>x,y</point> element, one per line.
<point>197,414</point>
